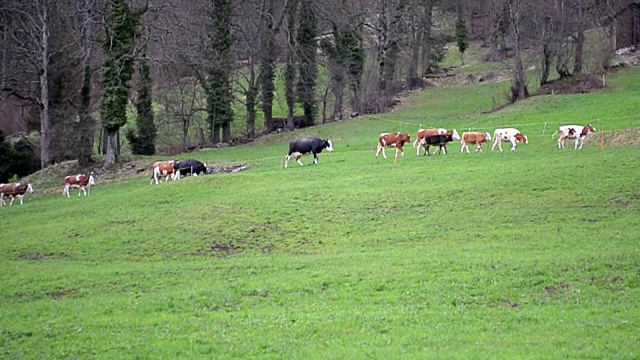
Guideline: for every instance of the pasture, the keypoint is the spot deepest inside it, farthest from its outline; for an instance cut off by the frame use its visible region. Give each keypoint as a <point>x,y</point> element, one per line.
<point>526,254</point>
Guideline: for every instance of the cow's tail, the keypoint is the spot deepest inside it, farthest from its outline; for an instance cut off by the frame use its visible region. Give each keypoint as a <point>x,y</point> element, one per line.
<point>554,134</point>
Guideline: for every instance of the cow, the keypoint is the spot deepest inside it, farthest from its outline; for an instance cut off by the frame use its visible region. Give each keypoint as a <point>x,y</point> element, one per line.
<point>422,133</point>
<point>190,167</point>
<point>164,168</point>
<point>437,140</point>
<point>396,139</point>
<point>509,134</point>
<point>474,138</point>
<point>80,182</point>
<point>297,148</point>
<point>14,190</point>
<point>573,132</point>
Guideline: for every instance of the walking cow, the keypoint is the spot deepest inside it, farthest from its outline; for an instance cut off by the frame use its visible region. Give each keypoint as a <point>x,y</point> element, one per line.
<point>297,148</point>
<point>164,168</point>
<point>80,182</point>
<point>574,132</point>
<point>396,139</point>
<point>509,134</point>
<point>14,190</point>
<point>190,167</point>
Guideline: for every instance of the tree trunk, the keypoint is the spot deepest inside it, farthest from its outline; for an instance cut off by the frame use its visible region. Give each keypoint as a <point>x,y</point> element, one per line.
<point>338,112</point>
<point>226,132</point>
<point>251,102</point>
<point>85,127</point>
<point>267,58</point>
<point>215,133</point>
<point>185,134</point>
<point>412,77</point>
<point>579,53</point>
<point>112,147</point>
<point>46,129</point>
<point>426,37</point>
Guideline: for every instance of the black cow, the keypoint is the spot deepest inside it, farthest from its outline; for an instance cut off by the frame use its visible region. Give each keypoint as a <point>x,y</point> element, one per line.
<point>297,148</point>
<point>190,167</point>
<point>437,140</point>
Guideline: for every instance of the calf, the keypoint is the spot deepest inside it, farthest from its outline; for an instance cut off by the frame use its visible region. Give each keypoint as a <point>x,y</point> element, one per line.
<point>396,140</point>
<point>297,148</point>
<point>509,134</point>
<point>573,132</point>
<point>14,190</point>
<point>190,167</point>
<point>422,133</point>
<point>474,138</point>
<point>78,181</point>
<point>164,168</point>
<point>437,140</point>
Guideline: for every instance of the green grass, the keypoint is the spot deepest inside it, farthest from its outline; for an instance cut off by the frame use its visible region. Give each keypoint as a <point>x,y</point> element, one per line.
<point>526,254</point>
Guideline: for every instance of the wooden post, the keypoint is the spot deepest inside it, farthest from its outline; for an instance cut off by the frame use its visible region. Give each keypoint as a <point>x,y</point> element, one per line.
<point>602,142</point>
<point>544,128</point>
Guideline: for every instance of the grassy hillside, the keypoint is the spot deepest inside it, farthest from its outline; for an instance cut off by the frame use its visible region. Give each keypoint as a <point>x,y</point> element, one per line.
<point>526,254</point>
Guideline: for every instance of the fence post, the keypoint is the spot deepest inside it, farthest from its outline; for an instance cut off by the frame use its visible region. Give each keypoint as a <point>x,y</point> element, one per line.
<point>544,128</point>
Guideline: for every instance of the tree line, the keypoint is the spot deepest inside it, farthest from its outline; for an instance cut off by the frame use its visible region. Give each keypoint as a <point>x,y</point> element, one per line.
<point>75,69</point>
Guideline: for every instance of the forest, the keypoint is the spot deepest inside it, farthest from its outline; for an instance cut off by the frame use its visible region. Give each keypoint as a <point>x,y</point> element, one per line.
<point>87,80</point>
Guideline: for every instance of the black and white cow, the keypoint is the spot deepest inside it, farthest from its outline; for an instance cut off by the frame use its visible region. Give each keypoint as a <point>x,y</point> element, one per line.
<point>297,148</point>
<point>440,141</point>
<point>190,167</point>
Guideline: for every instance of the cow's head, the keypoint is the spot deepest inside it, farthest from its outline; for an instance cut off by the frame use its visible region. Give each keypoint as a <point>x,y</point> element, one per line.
<point>455,136</point>
<point>328,145</point>
<point>206,170</point>
<point>487,136</point>
<point>522,138</point>
<point>92,181</point>
<point>30,188</point>
<point>406,137</point>
<point>590,128</point>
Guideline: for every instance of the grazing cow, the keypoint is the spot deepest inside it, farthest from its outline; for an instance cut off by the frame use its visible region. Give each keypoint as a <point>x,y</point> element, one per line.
<point>437,140</point>
<point>422,133</point>
<point>190,167</point>
<point>14,190</point>
<point>475,138</point>
<point>573,132</point>
<point>396,140</point>
<point>297,148</point>
<point>509,134</point>
<point>79,181</point>
<point>164,168</point>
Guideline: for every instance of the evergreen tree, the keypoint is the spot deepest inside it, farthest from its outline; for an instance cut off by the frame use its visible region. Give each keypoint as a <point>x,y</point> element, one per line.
<point>218,87</point>
<point>462,37</point>
<point>308,68</point>
<point>7,156</point>
<point>117,71</point>
<point>143,141</point>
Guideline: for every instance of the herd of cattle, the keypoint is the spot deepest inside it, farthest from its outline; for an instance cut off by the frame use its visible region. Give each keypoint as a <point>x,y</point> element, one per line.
<point>426,138</point>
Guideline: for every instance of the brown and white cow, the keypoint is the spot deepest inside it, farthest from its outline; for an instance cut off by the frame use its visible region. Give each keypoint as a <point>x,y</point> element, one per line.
<point>164,168</point>
<point>573,132</point>
<point>474,138</point>
<point>14,190</point>
<point>79,181</point>
<point>396,139</point>
<point>508,134</point>
<point>423,133</point>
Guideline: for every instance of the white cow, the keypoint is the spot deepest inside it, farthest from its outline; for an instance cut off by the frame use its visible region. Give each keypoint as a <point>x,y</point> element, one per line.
<point>509,134</point>
<point>573,132</point>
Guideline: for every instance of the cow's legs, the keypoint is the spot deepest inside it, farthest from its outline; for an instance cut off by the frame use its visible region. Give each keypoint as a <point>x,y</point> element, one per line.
<point>315,159</point>
<point>513,144</point>
<point>402,150</point>
<point>478,148</point>
<point>298,160</point>
<point>496,141</point>
<point>83,190</point>
<point>11,203</point>
<point>418,147</point>
<point>560,142</point>
<point>21,198</point>
<point>378,150</point>
<point>286,161</point>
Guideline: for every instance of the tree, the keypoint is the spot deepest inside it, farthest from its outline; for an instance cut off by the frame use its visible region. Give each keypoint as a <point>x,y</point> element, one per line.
<point>267,62</point>
<point>462,35</point>
<point>308,69</point>
<point>7,157</point>
<point>143,140</point>
<point>119,46</point>
<point>426,35</point>
<point>290,66</point>
<point>218,85</point>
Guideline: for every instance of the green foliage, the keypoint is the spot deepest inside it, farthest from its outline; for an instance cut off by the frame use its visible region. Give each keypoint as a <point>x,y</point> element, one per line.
<point>308,69</point>
<point>143,142</point>
<point>118,64</point>
<point>438,51</point>
<point>455,256</point>
<point>462,35</point>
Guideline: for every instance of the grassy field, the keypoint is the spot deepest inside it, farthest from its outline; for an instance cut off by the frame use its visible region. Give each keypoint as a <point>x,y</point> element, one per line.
<point>526,254</point>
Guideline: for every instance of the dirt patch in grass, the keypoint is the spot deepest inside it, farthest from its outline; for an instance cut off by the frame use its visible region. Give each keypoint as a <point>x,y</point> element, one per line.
<point>57,295</point>
<point>557,288</point>
<point>37,256</point>
<point>626,137</point>
<point>572,85</point>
